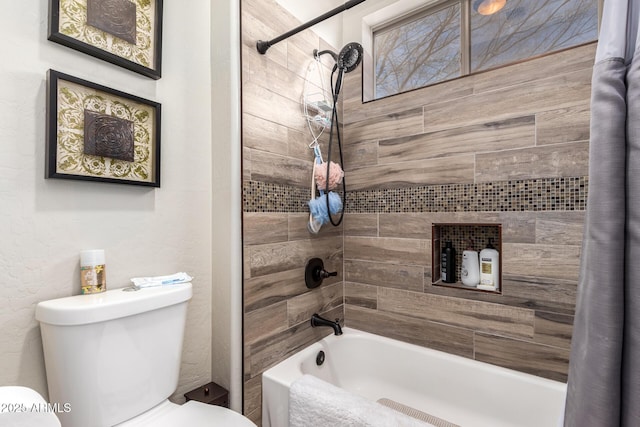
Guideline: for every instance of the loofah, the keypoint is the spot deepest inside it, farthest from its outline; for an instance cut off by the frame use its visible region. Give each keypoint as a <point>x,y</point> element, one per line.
<point>318,207</point>
<point>335,175</point>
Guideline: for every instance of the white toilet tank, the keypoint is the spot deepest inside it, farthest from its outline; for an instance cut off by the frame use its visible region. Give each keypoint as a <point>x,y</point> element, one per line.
<point>113,355</point>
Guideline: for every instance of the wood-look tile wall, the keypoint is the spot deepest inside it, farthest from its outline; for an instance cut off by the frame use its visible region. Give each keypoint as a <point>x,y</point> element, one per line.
<point>276,245</point>
<point>526,121</point>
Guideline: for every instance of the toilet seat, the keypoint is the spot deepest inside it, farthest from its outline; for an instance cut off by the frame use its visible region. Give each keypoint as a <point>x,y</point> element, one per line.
<point>24,407</point>
<point>191,414</point>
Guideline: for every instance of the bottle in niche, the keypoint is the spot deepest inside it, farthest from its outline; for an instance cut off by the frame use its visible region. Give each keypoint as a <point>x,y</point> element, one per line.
<point>469,272</point>
<point>448,264</point>
<point>489,268</point>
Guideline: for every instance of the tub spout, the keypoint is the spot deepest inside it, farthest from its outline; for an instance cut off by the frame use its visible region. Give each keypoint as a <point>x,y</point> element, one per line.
<point>316,321</point>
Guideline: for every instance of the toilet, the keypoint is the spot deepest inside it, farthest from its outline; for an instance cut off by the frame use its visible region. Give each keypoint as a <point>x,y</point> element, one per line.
<point>113,359</point>
<point>24,407</point>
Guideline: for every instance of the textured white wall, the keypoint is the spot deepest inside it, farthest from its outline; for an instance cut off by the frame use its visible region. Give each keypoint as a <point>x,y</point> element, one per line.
<point>46,223</point>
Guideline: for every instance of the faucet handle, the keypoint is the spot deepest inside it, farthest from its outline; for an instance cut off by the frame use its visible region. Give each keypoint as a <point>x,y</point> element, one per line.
<point>315,273</point>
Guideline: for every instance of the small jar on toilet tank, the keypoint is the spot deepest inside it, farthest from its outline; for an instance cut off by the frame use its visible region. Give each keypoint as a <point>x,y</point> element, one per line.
<point>93,275</point>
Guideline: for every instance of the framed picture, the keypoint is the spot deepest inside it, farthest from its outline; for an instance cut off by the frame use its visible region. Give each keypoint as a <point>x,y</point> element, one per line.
<point>95,133</point>
<point>127,33</point>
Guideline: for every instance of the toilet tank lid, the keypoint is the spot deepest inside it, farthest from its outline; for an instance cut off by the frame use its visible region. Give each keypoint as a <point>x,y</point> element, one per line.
<point>112,304</point>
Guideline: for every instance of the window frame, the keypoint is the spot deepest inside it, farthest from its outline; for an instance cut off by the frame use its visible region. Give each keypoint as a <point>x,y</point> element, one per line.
<point>369,79</point>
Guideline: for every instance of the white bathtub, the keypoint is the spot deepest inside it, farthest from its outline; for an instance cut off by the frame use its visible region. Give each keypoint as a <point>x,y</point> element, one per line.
<point>459,390</point>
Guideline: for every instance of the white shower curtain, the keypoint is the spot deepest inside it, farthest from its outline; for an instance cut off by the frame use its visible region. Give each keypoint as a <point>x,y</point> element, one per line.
<point>604,372</point>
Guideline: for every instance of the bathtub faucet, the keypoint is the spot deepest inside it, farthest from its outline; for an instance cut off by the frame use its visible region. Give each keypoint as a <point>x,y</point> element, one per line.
<point>317,320</point>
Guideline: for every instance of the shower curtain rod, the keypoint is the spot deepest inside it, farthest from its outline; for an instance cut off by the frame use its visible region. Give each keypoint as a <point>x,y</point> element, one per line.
<point>262,45</point>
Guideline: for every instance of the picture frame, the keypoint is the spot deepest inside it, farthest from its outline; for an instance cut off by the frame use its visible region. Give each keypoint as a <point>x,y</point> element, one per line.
<point>127,33</point>
<point>95,133</point>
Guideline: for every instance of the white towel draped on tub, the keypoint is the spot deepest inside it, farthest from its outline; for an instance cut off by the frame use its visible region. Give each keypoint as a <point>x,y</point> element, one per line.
<point>316,403</point>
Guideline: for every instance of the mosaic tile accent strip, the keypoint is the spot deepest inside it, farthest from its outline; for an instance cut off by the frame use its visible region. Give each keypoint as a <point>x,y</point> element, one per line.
<point>544,194</point>
<point>266,197</point>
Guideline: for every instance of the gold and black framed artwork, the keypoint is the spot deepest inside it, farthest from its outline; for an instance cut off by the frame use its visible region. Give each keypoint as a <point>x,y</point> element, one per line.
<point>96,133</point>
<point>127,33</point>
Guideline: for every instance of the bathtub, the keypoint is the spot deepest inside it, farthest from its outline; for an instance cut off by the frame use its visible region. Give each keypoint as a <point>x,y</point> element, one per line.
<point>460,390</point>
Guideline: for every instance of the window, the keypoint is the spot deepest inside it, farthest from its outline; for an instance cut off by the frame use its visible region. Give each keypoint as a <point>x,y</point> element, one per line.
<point>400,51</point>
<point>449,39</point>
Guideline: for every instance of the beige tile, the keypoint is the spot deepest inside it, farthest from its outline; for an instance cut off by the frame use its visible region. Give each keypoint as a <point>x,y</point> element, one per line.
<point>352,82</point>
<point>476,315</point>
<point>406,225</point>
<point>277,16</point>
<point>550,261</point>
<point>318,300</point>
<point>253,394</point>
<point>568,61</point>
<point>553,329</point>
<point>474,294</point>
<point>388,250</point>
<point>361,225</point>
<point>281,170</point>
<point>356,111</point>
<point>255,416</point>
<point>271,75</point>
<point>300,52</point>
<point>264,135</point>
<point>409,329</point>
<point>560,160</point>
<point>259,228</point>
<point>260,101</point>
<point>464,217</point>
<point>517,132</point>
<point>269,289</point>
<point>254,29</point>
<point>246,164</point>
<point>404,122</point>
<point>263,322</point>
<point>545,361</point>
<point>547,294</point>
<point>277,347</point>
<point>360,154</point>
<point>361,295</point>
<point>560,228</point>
<point>554,92</point>
<point>407,277</point>
<point>563,125</point>
<point>456,170</point>
<point>518,227</point>
<point>246,264</point>
<point>278,257</point>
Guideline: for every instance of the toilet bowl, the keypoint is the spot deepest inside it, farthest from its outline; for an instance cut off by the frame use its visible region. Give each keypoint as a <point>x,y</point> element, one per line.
<point>24,407</point>
<point>114,358</point>
<point>191,414</point>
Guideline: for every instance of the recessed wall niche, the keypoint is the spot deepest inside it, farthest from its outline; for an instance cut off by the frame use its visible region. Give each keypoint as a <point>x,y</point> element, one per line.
<point>464,236</point>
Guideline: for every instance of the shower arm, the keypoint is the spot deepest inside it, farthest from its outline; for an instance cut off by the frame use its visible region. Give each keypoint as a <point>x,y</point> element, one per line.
<point>263,46</point>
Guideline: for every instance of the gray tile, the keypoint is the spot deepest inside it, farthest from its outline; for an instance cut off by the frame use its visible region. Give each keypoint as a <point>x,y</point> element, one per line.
<point>410,329</point>
<point>559,160</point>
<point>476,315</point>
<point>545,361</point>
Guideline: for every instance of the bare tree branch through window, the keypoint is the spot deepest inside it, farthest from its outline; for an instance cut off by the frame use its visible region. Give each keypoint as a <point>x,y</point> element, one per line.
<point>428,49</point>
